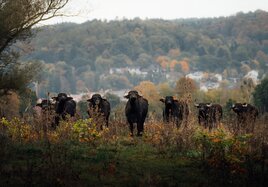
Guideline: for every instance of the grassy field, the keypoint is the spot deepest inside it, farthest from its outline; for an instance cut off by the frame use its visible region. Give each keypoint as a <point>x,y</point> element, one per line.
<point>77,153</point>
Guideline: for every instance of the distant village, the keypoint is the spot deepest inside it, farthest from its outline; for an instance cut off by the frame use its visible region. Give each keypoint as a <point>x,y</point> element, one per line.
<point>206,81</point>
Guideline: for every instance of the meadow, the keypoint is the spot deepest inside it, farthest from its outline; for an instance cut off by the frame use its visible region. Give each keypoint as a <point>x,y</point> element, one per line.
<point>78,153</point>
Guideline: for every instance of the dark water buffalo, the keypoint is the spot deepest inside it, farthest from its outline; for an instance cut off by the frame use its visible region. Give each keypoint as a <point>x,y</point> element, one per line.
<point>174,110</point>
<point>64,106</point>
<point>246,115</point>
<point>99,107</point>
<point>136,111</point>
<point>209,114</point>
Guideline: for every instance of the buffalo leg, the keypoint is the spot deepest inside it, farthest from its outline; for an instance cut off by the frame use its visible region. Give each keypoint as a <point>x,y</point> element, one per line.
<point>186,121</point>
<point>131,128</point>
<point>139,128</point>
<point>206,124</point>
<point>200,120</point>
<point>57,121</point>
<point>107,122</point>
<point>210,126</point>
<point>178,122</point>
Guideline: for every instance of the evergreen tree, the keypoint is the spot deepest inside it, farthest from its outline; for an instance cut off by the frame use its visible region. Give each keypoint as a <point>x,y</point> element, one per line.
<point>260,95</point>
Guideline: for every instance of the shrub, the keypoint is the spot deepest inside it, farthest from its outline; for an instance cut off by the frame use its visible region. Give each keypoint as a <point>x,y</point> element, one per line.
<point>224,151</point>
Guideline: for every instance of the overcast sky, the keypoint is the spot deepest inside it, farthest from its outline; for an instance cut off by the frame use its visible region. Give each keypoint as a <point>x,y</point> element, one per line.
<point>83,10</point>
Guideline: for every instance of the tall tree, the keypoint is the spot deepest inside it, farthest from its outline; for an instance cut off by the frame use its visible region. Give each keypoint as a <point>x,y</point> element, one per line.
<point>17,17</point>
<point>260,95</point>
<point>185,87</point>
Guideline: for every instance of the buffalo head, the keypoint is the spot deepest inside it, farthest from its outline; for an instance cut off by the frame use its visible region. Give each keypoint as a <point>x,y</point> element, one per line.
<point>95,100</point>
<point>202,106</point>
<point>45,104</point>
<point>168,100</point>
<point>132,95</point>
<point>62,97</point>
<point>239,107</point>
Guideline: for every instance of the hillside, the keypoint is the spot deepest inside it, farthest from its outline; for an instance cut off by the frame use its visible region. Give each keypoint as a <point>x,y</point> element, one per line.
<point>119,54</point>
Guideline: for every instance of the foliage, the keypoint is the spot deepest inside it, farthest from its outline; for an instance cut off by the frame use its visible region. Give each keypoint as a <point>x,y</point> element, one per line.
<point>260,95</point>
<point>113,99</point>
<point>17,76</point>
<point>16,130</point>
<point>149,91</point>
<point>77,153</point>
<point>166,50</point>
<point>27,99</point>
<point>82,107</point>
<point>169,141</point>
<point>17,17</point>
<point>185,88</point>
<point>224,151</point>
<point>165,89</point>
<point>247,87</point>
<point>9,105</point>
<point>85,131</point>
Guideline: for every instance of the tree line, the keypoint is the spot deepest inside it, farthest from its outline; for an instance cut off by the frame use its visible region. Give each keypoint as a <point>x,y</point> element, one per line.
<point>79,56</point>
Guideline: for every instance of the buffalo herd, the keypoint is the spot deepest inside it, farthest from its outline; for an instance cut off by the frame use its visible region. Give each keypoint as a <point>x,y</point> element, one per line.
<point>136,109</point>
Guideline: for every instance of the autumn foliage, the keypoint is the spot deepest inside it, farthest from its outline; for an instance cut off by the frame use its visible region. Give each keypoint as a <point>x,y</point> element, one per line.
<point>170,64</point>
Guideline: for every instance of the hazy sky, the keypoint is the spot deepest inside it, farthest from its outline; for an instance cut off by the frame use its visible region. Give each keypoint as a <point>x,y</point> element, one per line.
<point>83,10</point>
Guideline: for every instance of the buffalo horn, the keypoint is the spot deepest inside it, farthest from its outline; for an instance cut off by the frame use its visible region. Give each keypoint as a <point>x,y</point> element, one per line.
<point>209,105</point>
<point>245,105</point>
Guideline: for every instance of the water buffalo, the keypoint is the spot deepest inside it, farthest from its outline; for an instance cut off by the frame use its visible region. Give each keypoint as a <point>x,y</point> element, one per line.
<point>209,114</point>
<point>246,115</point>
<point>64,106</point>
<point>136,111</point>
<point>174,110</point>
<point>44,104</point>
<point>99,106</point>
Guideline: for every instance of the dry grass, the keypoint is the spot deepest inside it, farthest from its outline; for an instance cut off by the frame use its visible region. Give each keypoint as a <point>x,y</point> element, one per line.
<point>226,151</point>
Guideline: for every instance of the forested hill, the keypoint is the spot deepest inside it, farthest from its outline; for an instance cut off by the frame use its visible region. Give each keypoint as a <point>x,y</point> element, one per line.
<point>96,54</point>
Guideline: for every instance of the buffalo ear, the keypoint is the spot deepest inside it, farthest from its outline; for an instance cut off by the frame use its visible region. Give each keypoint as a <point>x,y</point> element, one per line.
<point>89,100</point>
<point>55,98</point>
<point>69,98</point>
<point>162,100</point>
<point>126,96</point>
